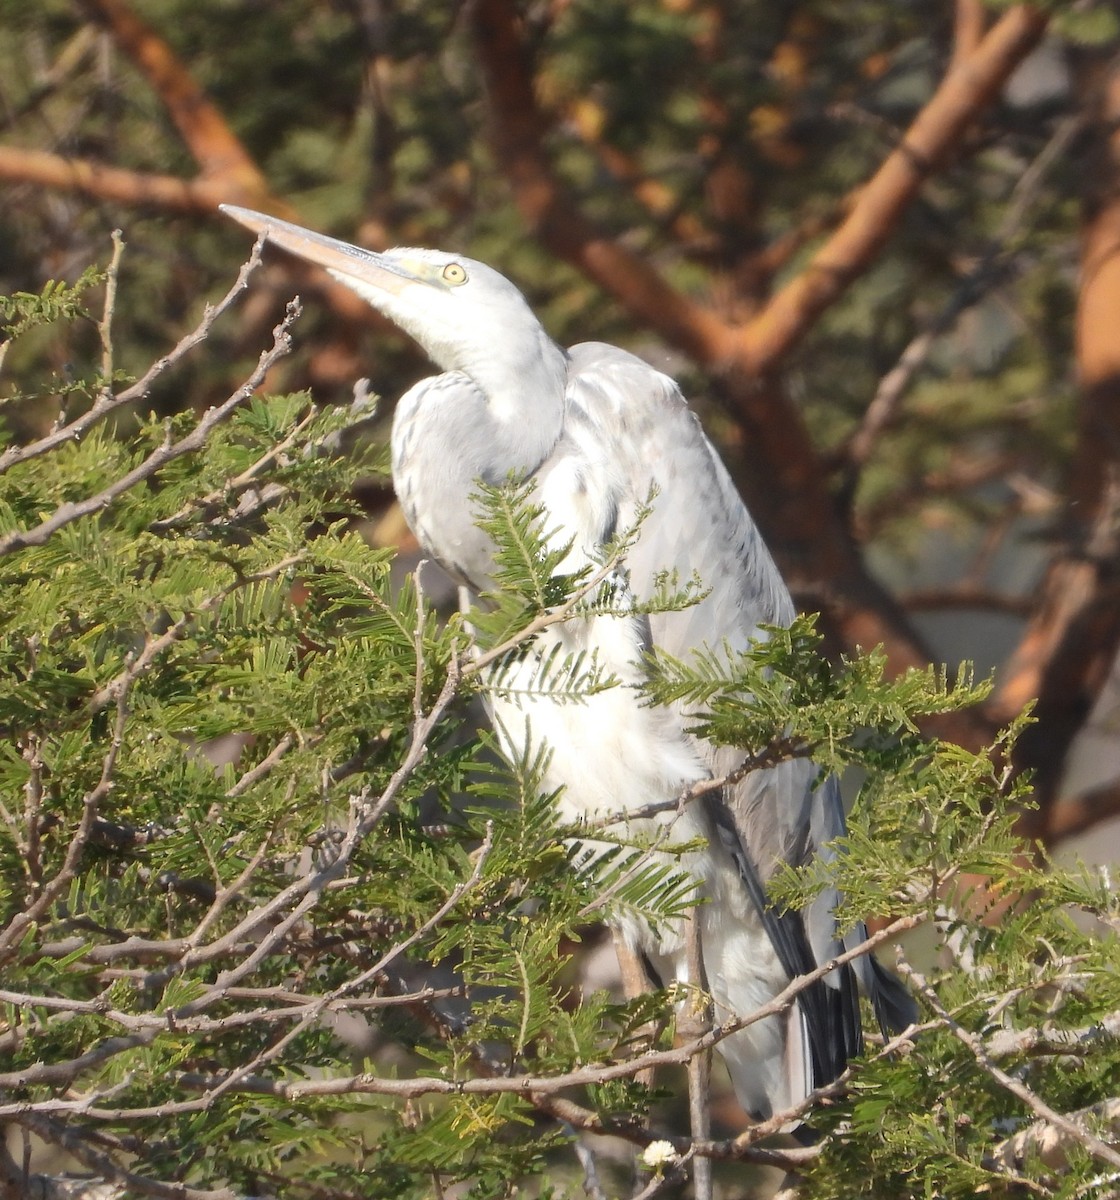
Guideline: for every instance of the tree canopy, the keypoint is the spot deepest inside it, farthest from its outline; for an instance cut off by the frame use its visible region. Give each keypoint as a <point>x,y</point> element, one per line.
<point>875,243</point>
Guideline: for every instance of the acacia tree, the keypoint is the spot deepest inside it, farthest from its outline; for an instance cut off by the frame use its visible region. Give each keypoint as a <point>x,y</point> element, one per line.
<point>864,255</point>
<point>864,260</point>
<point>336,960</point>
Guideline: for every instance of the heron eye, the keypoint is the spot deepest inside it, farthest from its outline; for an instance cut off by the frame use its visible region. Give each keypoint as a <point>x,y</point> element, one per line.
<point>454,274</point>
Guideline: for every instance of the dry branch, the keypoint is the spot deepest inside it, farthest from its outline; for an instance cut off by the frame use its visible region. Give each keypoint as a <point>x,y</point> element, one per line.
<point>527,1085</point>
<point>107,403</point>
<point>47,894</point>
<point>1050,1143</point>
<point>189,443</point>
<point>1070,1128</point>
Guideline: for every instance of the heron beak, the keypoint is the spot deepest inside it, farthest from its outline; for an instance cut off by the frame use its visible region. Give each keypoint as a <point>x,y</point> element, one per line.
<point>340,258</point>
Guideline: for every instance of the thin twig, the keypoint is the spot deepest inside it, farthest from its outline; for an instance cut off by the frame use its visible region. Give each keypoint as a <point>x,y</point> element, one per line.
<point>1015,1086</point>
<point>592,1185</point>
<point>11,936</point>
<point>74,1141</point>
<point>529,1085</point>
<point>674,1175</point>
<point>699,1013</point>
<point>971,288</point>
<point>257,773</point>
<point>241,480</point>
<point>105,325</point>
<point>107,404</point>
<point>418,643</point>
<point>29,843</point>
<point>72,511</point>
<point>769,756</point>
<point>154,646</point>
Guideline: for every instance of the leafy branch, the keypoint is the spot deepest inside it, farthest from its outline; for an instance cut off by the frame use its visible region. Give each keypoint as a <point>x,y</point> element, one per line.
<point>220,951</point>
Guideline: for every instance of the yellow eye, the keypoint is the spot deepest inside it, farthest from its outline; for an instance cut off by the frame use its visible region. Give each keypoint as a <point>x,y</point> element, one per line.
<point>454,274</point>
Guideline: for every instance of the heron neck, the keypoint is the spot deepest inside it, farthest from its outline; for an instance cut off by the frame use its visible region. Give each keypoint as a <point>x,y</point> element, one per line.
<point>525,397</point>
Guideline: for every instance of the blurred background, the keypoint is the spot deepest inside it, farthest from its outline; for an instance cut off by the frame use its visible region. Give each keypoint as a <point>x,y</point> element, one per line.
<point>876,242</point>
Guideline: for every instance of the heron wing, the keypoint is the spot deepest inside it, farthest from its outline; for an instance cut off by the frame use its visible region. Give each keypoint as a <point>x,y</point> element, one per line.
<point>700,525</point>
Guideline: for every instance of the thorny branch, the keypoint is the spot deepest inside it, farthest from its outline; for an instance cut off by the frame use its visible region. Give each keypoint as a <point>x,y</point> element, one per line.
<point>769,756</point>
<point>48,894</point>
<point>1069,1127</point>
<point>167,452</point>
<point>107,403</point>
<point>523,1085</point>
<point>298,1010</point>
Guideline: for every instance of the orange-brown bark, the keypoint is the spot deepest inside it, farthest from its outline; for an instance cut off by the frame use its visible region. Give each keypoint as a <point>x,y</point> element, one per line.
<point>1072,641</point>
<point>228,173</point>
<point>169,194</point>
<point>215,147</point>
<point>969,20</point>
<point>964,93</point>
<point>166,192</point>
<point>518,130</point>
<point>786,485</point>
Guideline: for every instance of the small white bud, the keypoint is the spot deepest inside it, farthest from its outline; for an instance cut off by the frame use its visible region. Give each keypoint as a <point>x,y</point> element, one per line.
<point>659,1155</point>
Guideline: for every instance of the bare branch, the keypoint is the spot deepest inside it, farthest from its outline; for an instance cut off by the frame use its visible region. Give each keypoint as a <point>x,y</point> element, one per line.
<point>168,193</point>
<point>216,148</point>
<point>105,325</point>
<point>1008,1043</point>
<point>695,1020</point>
<point>1074,814</point>
<point>1067,1126</point>
<point>1051,1143</point>
<point>528,1086</point>
<point>11,936</point>
<point>107,404</point>
<point>966,597</point>
<point>964,93</point>
<point>969,20</point>
<point>104,1165</point>
<point>194,440</point>
<point>518,131</point>
<point>262,769</point>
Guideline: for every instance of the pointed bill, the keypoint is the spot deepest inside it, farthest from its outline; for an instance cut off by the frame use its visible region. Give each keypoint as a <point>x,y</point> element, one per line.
<point>340,258</point>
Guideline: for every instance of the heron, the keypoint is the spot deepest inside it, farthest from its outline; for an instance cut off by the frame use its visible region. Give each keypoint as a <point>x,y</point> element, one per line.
<point>610,444</point>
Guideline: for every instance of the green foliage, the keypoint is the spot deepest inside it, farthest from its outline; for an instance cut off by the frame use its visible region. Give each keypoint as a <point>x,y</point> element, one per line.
<point>272,628</point>
<point>796,700</point>
<point>277,934</point>
<point>58,301</point>
<point>216,671</point>
<point>527,578</point>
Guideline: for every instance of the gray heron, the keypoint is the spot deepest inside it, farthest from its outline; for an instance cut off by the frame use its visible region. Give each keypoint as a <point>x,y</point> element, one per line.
<point>599,430</point>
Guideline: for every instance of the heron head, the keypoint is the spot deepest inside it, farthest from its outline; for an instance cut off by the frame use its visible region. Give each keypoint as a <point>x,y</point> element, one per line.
<point>457,309</point>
